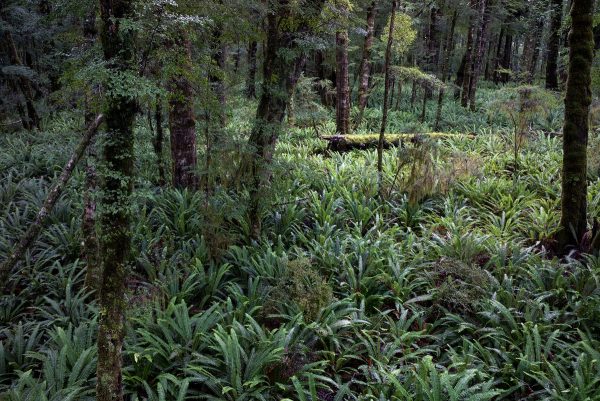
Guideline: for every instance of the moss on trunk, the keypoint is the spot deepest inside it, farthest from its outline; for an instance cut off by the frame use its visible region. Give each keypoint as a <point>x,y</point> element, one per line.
<point>575,131</point>
<point>115,238</point>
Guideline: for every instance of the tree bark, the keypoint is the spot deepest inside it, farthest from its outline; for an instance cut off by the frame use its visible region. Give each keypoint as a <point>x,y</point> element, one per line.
<point>117,185</point>
<point>388,57</point>
<point>575,131</point>
<point>251,79</point>
<point>506,61</point>
<point>554,45</point>
<point>91,243</point>
<point>460,77</point>
<point>182,122</point>
<point>280,75</point>
<point>494,73</point>
<point>320,70</point>
<point>448,48</point>
<point>34,229</point>
<point>468,71</point>
<point>365,70</point>
<point>482,39</point>
<point>342,110</point>
<point>217,77</point>
<point>158,141</point>
<point>24,84</point>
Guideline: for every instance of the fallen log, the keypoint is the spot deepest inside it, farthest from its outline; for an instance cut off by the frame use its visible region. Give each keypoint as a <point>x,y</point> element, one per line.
<point>34,229</point>
<point>345,143</point>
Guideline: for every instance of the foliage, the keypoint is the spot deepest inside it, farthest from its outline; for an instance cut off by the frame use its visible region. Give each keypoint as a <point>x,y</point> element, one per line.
<point>446,289</point>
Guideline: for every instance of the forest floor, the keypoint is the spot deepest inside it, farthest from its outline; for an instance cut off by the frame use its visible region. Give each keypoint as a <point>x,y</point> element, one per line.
<point>445,289</point>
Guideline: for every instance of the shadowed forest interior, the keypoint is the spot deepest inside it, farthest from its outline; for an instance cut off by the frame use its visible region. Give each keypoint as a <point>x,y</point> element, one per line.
<point>308,200</point>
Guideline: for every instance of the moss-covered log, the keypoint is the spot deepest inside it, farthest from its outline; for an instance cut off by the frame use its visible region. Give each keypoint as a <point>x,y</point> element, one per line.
<point>575,131</point>
<point>345,143</point>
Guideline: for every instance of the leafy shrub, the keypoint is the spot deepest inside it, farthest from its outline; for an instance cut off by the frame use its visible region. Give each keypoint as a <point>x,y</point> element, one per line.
<point>458,286</point>
<point>300,287</point>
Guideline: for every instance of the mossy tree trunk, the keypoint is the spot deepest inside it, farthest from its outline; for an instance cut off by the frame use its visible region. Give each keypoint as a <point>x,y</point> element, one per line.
<point>342,110</point>
<point>365,66</point>
<point>483,32</point>
<point>447,53</point>
<point>117,184</point>
<point>182,121</point>
<point>280,75</point>
<point>554,44</point>
<point>386,90</point>
<point>575,131</point>
<point>33,119</point>
<point>251,77</point>
<point>91,244</point>
<point>158,140</point>
<point>468,67</point>
<point>506,61</point>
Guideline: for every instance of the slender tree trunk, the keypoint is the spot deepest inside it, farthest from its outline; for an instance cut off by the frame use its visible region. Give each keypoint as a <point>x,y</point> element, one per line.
<point>24,84</point>
<point>575,132</point>
<point>494,73</point>
<point>413,95</point>
<point>535,50</point>
<point>506,58</point>
<point>460,77</point>
<point>468,71</point>
<point>365,70</point>
<point>158,141</point>
<point>251,79</point>
<point>217,77</point>
<point>482,39</point>
<point>399,96</point>
<point>320,67</point>
<point>182,122</point>
<point>388,57</point>
<point>91,243</point>
<point>424,106</point>
<point>554,45</point>
<point>280,75</point>
<point>448,49</point>
<point>342,120</point>
<point>53,195</point>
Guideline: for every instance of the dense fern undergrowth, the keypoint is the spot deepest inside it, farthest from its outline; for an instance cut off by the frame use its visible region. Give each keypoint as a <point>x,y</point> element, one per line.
<point>447,289</point>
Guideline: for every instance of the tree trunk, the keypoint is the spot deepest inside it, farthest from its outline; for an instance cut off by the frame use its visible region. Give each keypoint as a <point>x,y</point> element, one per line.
<point>575,131</point>
<point>182,122</point>
<point>506,61</point>
<point>554,45</point>
<point>365,70</point>
<point>468,71</point>
<point>342,110</point>
<point>496,64</point>
<point>535,51</point>
<point>388,57</point>
<point>34,229</point>
<point>320,70</point>
<point>251,79</point>
<point>91,244</point>
<point>460,77</point>
<point>280,75</point>
<point>117,185</point>
<point>159,140</point>
<point>217,77</point>
<point>24,84</point>
<point>448,48</point>
<point>482,39</point>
